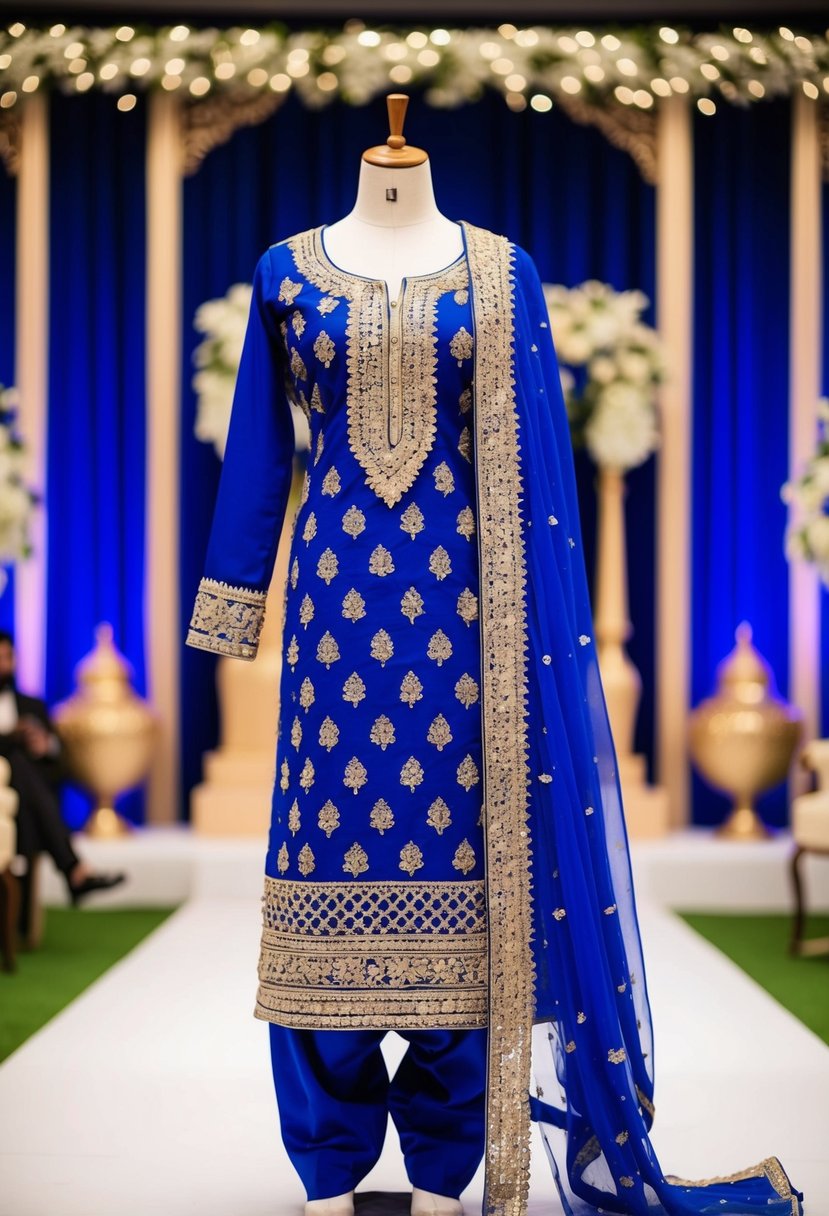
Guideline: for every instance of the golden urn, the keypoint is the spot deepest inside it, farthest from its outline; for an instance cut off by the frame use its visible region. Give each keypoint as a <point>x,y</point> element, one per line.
<point>107,730</point>
<point>743,738</point>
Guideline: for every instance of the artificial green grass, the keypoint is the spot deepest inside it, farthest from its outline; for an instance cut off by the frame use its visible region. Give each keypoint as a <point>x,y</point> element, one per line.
<point>759,944</point>
<point>78,945</point>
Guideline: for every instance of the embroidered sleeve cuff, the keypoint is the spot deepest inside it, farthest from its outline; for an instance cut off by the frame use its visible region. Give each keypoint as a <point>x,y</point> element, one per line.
<point>227,620</point>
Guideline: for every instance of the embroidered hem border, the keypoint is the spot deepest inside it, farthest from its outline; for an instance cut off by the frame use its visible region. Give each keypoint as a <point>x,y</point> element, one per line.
<point>360,953</point>
<point>227,620</point>
<point>771,1167</point>
<point>502,564</point>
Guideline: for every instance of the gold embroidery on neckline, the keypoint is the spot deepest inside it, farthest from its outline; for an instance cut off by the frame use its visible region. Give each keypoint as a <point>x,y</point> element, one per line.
<point>391,426</point>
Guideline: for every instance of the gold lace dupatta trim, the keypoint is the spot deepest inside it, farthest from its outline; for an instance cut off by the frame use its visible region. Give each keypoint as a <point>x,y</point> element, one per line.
<point>504,695</point>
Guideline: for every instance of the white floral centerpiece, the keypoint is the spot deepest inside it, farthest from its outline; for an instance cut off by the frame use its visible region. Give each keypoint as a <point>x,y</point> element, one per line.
<point>807,537</point>
<point>223,322</point>
<point>612,404</point>
<point>17,500</point>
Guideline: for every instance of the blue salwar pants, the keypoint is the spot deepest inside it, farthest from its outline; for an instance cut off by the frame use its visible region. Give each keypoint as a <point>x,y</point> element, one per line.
<point>334,1096</point>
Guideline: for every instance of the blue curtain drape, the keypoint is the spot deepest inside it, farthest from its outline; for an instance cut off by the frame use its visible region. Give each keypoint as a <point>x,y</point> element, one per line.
<point>740,402</point>
<point>577,204</point>
<point>8,330</point>
<point>96,445</point>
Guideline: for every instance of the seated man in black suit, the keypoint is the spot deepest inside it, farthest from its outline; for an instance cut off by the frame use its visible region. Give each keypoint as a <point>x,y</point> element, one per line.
<point>33,749</point>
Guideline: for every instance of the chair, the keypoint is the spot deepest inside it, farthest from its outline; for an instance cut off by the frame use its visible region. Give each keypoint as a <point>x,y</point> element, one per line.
<point>9,886</point>
<point>810,829</point>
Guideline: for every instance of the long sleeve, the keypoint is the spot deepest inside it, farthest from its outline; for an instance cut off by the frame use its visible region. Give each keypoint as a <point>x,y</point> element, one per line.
<point>253,490</point>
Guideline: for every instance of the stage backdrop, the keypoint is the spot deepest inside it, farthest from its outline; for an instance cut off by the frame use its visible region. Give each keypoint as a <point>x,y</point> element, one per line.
<point>576,203</point>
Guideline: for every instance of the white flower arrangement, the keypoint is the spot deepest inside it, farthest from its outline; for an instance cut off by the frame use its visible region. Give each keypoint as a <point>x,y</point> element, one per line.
<point>16,498</point>
<point>224,321</point>
<point>612,405</point>
<point>807,537</point>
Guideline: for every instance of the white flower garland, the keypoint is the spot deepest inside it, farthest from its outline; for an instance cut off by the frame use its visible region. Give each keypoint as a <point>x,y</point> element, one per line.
<point>16,498</point>
<point>530,65</point>
<point>224,321</point>
<point>614,412</point>
<point>807,537</point>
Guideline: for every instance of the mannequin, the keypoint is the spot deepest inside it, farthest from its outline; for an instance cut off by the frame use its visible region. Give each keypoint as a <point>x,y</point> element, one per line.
<point>394,228</point>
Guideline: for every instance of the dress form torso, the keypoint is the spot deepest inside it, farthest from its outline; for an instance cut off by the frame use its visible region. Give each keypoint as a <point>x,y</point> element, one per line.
<point>393,239</point>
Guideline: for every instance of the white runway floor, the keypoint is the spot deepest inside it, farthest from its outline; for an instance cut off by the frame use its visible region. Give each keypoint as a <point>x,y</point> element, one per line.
<point>151,1094</point>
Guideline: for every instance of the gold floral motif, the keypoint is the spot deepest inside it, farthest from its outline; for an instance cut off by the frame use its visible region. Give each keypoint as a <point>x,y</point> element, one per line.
<point>461,345</point>
<point>328,566</point>
<point>298,368</point>
<point>382,647</point>
<point>294,573</point>
<point>354,606</point>
<point>380,561</point>
<point>306,777</point>
<point>319,447</point>
<point>411,689</point>
<point>411,604</point>
<point>306,611</point>
<point>465,444</point>
<point>316,400</point>
<point>285,776</point>
<point>327,304</point>
<point>468,606</point>
<point>359,953</point>
<point>439,648</point>
<point>439,563</point>
<point>461,295</point>
<point>294,818</point>
<point>439,816</point>
<point>571,1046</point>
<point>329,733</point>
<point>306,860</point>
<point>467,773</point>
<point>356,860</point>
<point>464,859</point>
<point>354,522</point>
<point>439,732</point>
<point>296,733</point>
<point>622,1138</point>
<point>298,322</point>
<point>356,774</point>
<point>288,291</point>
<point>354,689</point>
<point>626,1180</point>
<point>292,653</point>
<point>324,348</point>
<point>328,651</point>
<point>331,482</point>
<point>411,520</point>
<point>616,1055</point>
<point>411,858</point>
<point>382,732</point>
<point>307,694</point>
<point>465,400</point>
<point>381,816</point>
<point>411,774</point>
<point>227,620</point>
<point>282,860</point>
<point>444,479</point>
<point>328,818</point>
<point>310,529</point>
<point>466,690</point>
<point>466,523</point>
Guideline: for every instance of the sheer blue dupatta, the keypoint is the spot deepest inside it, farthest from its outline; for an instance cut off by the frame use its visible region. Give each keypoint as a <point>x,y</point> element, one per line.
<point>592,1051</point>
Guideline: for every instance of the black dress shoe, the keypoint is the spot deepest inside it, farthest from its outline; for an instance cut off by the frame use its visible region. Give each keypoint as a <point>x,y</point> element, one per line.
<point>93,882</point>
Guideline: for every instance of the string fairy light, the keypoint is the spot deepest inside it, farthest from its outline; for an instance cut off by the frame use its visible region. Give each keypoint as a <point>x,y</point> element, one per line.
<point>530,66</point>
